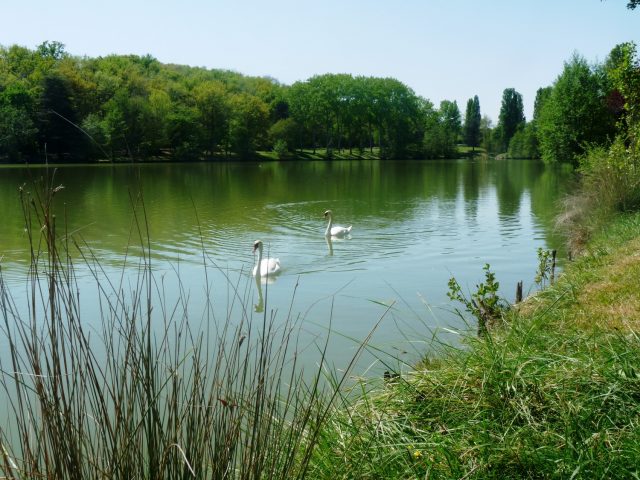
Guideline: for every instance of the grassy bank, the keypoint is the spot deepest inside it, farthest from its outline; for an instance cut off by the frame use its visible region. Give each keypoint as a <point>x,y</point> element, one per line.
<point>321,154</point>
<point>353,154</point>
<point>308,154</point>
<point>554,393</point>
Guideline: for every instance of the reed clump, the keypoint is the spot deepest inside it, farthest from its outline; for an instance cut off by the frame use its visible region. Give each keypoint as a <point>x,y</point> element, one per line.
<point>609,183</point>
<point>146,394</point>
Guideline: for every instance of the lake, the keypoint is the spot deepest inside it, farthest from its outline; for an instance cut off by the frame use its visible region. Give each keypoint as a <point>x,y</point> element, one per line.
<point>415,225</point>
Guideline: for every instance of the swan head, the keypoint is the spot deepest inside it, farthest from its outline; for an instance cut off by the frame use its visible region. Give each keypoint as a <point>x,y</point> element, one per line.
<point>328,213</point>
<point>257,245</point>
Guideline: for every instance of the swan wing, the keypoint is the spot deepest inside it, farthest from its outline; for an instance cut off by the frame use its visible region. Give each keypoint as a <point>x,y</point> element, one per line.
<point>338,231</point>
<point>274,265</point>
<point>269,266</point>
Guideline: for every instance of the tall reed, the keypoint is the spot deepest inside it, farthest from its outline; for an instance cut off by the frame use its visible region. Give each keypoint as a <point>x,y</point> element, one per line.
<point>151,395</point>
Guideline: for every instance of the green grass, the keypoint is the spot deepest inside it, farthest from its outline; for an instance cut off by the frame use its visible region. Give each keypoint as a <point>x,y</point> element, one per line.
<point>554,393</point>
<point>354,154</point>
<point>321,154</point>
<point>464,150</point>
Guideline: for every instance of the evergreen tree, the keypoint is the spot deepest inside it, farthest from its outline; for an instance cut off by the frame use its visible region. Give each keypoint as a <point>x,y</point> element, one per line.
<point>472,120</point>
<point>511,115</point>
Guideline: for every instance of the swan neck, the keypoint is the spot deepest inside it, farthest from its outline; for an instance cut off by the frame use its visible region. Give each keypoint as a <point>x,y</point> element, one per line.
<point>328,231</point>
<point>258,272</point>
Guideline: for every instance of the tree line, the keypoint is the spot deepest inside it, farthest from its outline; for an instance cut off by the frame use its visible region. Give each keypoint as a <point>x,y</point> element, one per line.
<point>63,107</point>
<point>59,107</point>
<point>587,105</point>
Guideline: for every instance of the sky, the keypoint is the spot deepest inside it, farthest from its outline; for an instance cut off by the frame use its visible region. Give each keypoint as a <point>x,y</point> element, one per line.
<point>441,49</point>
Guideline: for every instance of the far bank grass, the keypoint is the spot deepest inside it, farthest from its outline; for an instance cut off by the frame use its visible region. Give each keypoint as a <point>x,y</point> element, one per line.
<point>462,151</point>
<point>353,154</point>
<point>555,393</point>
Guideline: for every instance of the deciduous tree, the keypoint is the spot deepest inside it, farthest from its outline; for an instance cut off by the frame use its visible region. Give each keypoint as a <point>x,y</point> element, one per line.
<point>574,114</point>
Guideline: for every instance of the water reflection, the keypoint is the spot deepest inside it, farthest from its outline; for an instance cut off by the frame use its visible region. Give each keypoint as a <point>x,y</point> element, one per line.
<point>327,239</point>
<point>224,201</point>
<point>418,223</point>
<point>259,307</point>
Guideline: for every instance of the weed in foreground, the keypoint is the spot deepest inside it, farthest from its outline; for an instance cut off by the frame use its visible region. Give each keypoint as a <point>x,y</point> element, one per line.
<point>162,399</point>
<point>484,304</point>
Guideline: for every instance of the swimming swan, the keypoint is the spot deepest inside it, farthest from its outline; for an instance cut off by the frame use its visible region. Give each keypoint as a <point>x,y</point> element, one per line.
<point>335,231</point>
<point>268,266</point>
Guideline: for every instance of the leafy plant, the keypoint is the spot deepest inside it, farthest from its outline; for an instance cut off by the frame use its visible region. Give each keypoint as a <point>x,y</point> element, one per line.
<point>484,304</point>
<point>280,148</point>
<point>544,272</point>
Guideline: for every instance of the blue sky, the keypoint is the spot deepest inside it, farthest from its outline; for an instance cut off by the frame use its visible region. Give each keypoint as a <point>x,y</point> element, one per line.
<point>442,49</point>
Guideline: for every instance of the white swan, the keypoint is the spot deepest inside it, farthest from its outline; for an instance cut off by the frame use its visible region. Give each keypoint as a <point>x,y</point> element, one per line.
<point>264,266</point>
<point>335,231</point>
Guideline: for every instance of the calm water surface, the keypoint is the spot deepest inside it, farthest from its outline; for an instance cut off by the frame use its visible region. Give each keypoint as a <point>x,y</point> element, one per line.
<point>415,224</point>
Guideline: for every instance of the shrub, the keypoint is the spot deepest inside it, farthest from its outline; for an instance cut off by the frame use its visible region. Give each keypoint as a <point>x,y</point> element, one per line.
<point>280,148</point>
<point>612,175</point>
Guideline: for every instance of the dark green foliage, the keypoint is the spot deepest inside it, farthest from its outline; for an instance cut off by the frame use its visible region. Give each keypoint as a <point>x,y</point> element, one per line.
<point>610,171</point>
<point>17,128</point>
<point>280,148</point>
<point>441,130</point>
<point>472,121</point>
<point>490,137</point>
<point>211,99</point>
<point>279,110</point>
<point>248,124</point>
<point>511,115</point>
<point>339,111</point>
<point>450,114</point>
<point>135,107</point>
<point>58,133</point>
<point>524,143</point>
<point>182,131</point>
<point>575,113</point>
<point>623,70</point>
<point>284,130</point>
<point>53,50</point>
<point>542,95</point>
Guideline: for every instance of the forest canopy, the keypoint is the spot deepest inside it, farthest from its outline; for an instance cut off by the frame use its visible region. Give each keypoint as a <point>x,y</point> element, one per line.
<point>62,108</point>
<point>70,108</point>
